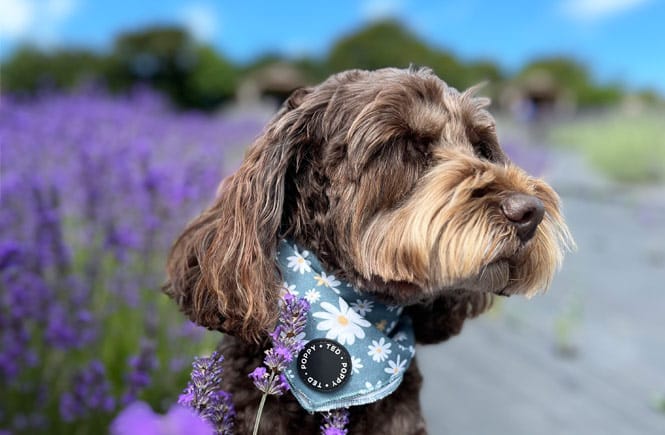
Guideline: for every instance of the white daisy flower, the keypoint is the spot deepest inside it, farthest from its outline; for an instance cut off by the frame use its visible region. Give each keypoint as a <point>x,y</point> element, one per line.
<point>286,288</point>
<point>299,262</point>
<point>356,364</point>
<point>380,350</point>
<point>312,296</point>
<point>343,324</point>
<point>327,281</point>
<point>395,367</point>
<point>362,306</point>
<point>400,336</point>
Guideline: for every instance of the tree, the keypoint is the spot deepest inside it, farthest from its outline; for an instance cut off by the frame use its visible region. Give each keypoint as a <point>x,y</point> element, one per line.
<point>168,59</point>
<point>212,80</point>
<point>30,69</point>
<point>389,43</point>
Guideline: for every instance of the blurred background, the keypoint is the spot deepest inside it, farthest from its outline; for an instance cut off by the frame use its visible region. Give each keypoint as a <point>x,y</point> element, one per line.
<point>118,119</point>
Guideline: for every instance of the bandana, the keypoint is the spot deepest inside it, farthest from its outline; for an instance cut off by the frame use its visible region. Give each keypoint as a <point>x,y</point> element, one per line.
<point>356,348</point>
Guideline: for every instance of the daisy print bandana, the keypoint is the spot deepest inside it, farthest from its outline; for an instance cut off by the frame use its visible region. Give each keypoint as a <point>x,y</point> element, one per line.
<point>356,348</point>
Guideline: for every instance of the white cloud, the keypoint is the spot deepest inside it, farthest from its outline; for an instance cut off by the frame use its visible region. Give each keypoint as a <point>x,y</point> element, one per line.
<point>33,20</point>
<point>16,18</point>
<point>378,9</point>
<point>593,10</point>
<point>201,20</point>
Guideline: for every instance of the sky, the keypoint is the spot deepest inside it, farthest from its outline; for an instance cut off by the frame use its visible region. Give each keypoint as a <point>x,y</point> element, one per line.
<point>619,40</point>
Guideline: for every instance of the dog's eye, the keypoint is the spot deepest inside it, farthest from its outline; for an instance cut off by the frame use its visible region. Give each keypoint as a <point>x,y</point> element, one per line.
<point>483,150</point>
<point>480,192</point>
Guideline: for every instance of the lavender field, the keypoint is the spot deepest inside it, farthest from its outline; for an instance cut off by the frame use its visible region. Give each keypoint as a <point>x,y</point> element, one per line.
<point>94,189</point>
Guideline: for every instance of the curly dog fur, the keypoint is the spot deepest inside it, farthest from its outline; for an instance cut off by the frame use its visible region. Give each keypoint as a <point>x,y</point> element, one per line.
<point>397,182</point>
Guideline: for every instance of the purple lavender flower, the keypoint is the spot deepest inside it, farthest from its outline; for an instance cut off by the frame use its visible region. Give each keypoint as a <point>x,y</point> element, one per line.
<point>204,395</point>
<point>335,421</point>
<point>287,339</point>
<point>91,392</point>
<point>141,366</point>
<point>271,384</point>
<point>278,358</point>
<point>139,419</point>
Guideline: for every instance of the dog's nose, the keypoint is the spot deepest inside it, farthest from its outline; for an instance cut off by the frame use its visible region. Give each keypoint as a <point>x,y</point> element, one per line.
<point>525,212</point>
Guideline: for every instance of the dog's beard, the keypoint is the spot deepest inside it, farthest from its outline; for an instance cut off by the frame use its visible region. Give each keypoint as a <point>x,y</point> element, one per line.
<point>450,233</point>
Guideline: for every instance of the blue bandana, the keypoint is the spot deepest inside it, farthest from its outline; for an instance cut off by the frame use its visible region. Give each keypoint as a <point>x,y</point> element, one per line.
<point>356,348</point>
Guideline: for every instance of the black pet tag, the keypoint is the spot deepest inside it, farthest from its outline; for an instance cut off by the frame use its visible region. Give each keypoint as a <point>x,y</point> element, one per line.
<point>324,365</point>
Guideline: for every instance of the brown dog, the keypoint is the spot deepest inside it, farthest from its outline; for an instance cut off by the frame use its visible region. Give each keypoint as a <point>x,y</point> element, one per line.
<point>399,186</point>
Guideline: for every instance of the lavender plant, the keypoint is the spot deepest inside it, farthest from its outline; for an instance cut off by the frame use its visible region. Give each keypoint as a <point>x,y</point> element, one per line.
<point>335,421</point>
<point>93,190</point>
<point>204,395</point>
<point>287,340</point>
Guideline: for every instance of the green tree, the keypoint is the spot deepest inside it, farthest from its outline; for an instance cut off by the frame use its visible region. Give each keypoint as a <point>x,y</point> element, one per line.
<point>168,59</point>
<point>389,43</point>
<point>212,80</point>
<point>161,57</point>
<point>30,69</point>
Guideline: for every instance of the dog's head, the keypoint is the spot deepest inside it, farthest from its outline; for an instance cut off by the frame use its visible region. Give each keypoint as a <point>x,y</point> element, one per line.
<point>395,180</point>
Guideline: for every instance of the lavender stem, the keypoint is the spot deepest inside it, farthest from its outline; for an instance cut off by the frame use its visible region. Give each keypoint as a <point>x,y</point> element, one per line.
<point>257,422</point>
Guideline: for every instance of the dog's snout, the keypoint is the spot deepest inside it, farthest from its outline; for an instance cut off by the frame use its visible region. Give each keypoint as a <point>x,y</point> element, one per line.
<point>525,212</point>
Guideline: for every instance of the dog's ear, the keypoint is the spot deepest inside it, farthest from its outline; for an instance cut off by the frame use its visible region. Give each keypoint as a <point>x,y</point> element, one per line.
<point>222,269</point>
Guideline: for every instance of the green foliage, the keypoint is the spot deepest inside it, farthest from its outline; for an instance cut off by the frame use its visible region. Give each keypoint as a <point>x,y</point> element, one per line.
<point>659,404</point>
<point>168,59</point>
<point>213,79</point>
<point>196,75</point>
<point>380,45</point>
<point>388,43</point>
<point>627,148</point>
<point>30,69</point>
<point>565,325</point>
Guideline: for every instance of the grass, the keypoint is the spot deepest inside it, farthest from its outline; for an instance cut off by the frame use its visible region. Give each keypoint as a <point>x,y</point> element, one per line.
<point>566,325</point>
<point>628,148</point>
<point>659,404</point>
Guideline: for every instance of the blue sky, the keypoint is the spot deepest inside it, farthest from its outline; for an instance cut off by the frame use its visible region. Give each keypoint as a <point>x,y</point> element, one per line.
<point>622,40</point>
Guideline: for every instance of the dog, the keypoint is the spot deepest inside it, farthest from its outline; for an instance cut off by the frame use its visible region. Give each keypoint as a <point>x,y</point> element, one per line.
<point>397,184</point>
